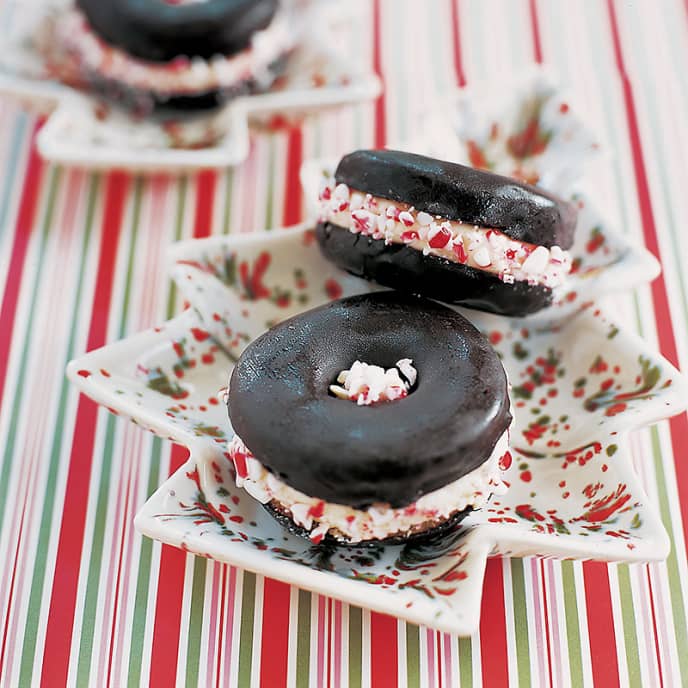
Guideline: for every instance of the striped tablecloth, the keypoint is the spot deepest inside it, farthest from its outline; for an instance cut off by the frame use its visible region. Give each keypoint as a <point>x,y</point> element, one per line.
<point>84,600</point>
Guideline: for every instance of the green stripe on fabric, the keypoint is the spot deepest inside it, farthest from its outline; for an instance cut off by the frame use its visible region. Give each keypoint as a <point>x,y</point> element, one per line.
<point>138,626</point>
<point>303,639</point>
<point>18,138</point>
<point>629,627</point>
<point>573,638</point>
<point>465,662</point>
<point>638,313</point>
<point>248,603</point>
<point>13,425</point>
<point>182,187</point>
<point>95,565</point>
<point>518,592</point>
<point>413,656</point>
<point>316,152</point>
<point>355,647</point>
<point>38,578</point>
<point>135,222</point>
<point>270,221</point>
<point>678,607</point>
<point>88,626</point>
<point>227,210</point>
<point>193,648</point>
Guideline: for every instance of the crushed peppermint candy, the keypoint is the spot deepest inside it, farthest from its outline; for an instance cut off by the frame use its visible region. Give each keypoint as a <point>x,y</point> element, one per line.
<point>379,520</point>
<point>479,247</point>
<point>74,36</point>
<point>370,384</point>
<point>223,395</point>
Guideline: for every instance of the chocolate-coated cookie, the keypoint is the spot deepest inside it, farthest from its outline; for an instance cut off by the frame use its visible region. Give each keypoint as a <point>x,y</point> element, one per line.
<point>328,448</point>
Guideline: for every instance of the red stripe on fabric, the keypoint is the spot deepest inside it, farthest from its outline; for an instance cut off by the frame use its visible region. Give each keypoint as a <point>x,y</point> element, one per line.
<point>206,181</point>
<point>546,616</point>
<point>70,544</point>
<point>384,653</point>
<point>494,657</point>
<point>336,643</point>
<point>380,104</point>
<point>658,654</point>
<point>168,603</point>
<point>535,28</point>
<point>438,658</point>
<point>665,332</point>
<point>293,194</point>
<point>275,646</point>
<point>600,614</point>
<point>25,219</point>
<point>221,627</point>
<point>5,633</point>
<point>330,628</point>
<point>456,40</point>
<point>118,581</point>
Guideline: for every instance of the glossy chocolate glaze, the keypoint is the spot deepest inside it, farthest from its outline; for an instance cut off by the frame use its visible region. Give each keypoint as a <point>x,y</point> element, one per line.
<point>333,449</point>
<point>159,31</point>
<point>407,269</point>
<point>456,192</point>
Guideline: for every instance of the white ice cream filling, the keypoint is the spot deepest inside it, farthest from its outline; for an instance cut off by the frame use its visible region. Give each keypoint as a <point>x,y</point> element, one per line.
<point>73,35</point>
<point>378,521</point>
<point>482,248</point>
<point>371,384</point>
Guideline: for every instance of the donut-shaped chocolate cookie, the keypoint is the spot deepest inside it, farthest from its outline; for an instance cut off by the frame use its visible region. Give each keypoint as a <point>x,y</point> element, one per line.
<point>447,231</point>
<point>332,449</point>
<point>159,31</point>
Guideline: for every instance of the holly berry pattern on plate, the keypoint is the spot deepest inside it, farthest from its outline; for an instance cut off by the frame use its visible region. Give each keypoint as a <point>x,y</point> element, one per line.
<point>579,385</point>
<point>529,129</point>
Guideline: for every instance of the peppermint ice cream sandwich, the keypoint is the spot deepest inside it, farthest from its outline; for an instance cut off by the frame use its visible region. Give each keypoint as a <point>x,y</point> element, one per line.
<point>373,418</point>
<point>446,231</point>
<point>167,56</point>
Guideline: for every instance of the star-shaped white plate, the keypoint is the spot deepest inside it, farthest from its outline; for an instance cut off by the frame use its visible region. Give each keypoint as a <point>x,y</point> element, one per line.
<point>577,390</point>
<point>80,130</point>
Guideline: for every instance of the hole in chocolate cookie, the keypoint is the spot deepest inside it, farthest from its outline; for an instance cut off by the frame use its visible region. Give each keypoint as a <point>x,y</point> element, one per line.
<point>367,384</point>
